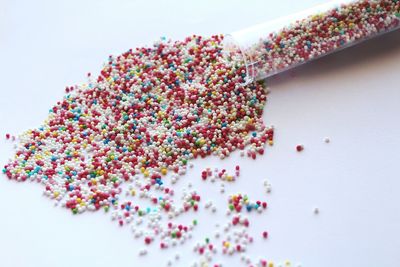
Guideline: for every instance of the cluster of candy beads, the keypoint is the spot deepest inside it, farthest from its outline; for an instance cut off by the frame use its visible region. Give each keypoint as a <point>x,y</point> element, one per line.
<point>149,112</point>
<point>113,143</point>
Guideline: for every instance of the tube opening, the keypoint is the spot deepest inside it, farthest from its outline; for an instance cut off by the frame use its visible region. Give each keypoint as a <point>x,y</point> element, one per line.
<point>233,54</point>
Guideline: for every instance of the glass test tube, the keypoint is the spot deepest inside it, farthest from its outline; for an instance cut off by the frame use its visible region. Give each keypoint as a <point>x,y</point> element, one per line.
<point>275,46</point>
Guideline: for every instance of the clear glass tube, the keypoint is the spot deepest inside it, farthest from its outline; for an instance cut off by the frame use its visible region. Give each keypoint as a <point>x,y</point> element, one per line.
<point>275,46</point>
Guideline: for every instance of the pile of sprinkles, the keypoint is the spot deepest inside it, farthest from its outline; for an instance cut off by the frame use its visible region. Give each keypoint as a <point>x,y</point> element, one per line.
<point>122,141</point>
<point>149,112</point>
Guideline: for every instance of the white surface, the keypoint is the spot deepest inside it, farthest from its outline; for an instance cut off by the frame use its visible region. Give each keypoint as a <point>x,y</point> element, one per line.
<point>351,97</point>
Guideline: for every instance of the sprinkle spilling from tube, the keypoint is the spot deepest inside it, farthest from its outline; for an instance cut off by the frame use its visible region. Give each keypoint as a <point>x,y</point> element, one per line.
<point>134,130</point>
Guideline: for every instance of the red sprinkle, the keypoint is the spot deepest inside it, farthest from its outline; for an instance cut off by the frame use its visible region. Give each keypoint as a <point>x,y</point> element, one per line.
<point>299,148</point>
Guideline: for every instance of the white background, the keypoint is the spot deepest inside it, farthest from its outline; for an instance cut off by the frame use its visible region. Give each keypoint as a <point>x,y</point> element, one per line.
<point>352,97</point>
